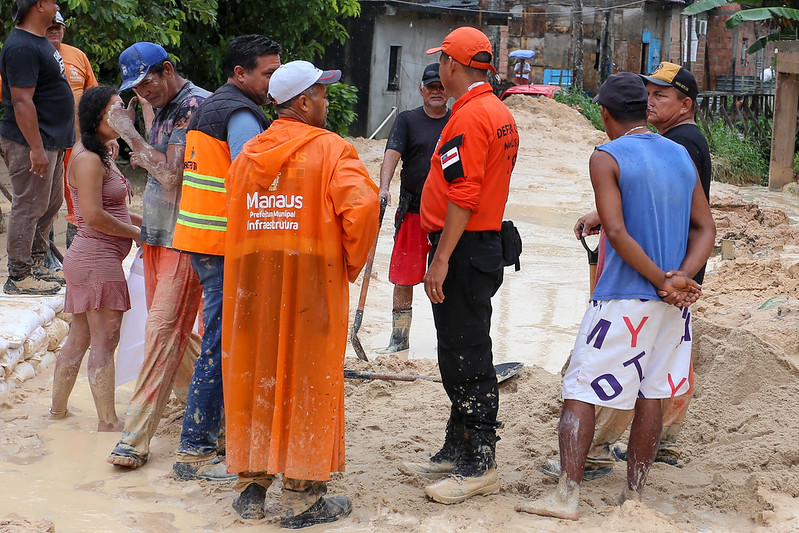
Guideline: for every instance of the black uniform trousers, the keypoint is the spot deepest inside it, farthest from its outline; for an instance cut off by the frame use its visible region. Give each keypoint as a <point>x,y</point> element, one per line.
<point>463,324</point>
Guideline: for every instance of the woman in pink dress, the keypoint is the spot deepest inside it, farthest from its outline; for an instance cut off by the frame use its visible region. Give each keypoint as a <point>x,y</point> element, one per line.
<point>97,292</point>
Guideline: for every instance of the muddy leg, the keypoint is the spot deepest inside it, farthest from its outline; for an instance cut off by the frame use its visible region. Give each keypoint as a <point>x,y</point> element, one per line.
<point>104,325</point>
<point>68,364</point>
<point>574,435</point>
<point>644,439</point>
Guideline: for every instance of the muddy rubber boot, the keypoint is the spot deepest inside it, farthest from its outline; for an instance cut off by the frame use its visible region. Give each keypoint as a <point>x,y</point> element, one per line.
<point>401,321</point>
<point>324,511</point>
<point>250,503</point>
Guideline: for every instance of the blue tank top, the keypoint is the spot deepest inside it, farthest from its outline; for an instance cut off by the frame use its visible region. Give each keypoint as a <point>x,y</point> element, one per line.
<point>656,180</point>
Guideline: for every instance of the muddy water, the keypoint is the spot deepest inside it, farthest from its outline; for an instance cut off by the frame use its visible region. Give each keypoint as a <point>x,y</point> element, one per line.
<point>537,311</point>
<point>63,477</point>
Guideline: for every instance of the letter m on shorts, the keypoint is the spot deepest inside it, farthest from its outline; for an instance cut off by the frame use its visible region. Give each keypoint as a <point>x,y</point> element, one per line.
<point>599,331</point>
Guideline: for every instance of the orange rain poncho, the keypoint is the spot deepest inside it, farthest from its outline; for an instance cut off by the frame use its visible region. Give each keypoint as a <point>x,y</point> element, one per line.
<point>302,216</point>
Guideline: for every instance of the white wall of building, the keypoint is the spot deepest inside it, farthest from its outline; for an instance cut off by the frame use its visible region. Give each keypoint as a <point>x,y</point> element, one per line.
<point>415,36</point>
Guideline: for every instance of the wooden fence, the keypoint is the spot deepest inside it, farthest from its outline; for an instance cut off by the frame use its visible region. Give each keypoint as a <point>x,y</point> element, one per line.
<point>743,111</point>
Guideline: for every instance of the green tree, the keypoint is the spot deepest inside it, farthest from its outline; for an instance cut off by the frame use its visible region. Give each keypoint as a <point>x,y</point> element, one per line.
<point>778,16</point>
<point>103,28</point>
<point>303,29</point>
<point>197,33</point>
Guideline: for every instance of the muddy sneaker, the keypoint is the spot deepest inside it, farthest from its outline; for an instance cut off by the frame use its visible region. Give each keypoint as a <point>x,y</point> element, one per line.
<point>30,285</point>
<point>429,470</point>
<point>591,471</point>
<point>455,489</point>
<point>41,272</point>
<point>666,456</point>
<point>325,510</point>
<point>207,470</point>
<point>250,503</point>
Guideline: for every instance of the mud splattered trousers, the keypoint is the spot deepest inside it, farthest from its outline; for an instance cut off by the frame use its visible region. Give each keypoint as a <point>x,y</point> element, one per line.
<point>173,297</point>
<point>463,325</point>
<point>205,404</point>
<point>612,423</point>
<point>35,205</point>
<point>297,496</point>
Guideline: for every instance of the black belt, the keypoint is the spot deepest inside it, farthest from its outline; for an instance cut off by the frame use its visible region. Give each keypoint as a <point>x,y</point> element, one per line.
<point>466,236</point>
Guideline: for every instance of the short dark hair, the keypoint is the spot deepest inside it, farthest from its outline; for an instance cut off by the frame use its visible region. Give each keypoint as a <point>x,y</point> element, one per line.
<point>624,117</point>
<point>158,68</point>
<point>245,51</point>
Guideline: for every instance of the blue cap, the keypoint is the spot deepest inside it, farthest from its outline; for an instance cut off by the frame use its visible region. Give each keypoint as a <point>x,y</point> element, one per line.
<point>136,60</point>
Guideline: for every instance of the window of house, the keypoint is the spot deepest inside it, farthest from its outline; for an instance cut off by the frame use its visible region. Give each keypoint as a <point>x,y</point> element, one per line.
<point>744,46</point>
<point>394,59</point>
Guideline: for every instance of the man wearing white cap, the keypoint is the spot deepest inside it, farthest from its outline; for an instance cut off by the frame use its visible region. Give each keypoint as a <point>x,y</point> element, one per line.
<point>302,216</point>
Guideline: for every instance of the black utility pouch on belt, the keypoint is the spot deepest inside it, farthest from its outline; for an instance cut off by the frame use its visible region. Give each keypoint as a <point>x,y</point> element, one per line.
<point>511,244</point>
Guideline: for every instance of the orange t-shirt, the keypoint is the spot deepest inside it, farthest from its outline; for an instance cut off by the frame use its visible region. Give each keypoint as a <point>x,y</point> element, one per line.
<point>472,163</point>
<point>79,74</point>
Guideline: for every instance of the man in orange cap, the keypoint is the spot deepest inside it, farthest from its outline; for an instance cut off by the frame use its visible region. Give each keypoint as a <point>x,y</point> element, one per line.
<point>463,201</point>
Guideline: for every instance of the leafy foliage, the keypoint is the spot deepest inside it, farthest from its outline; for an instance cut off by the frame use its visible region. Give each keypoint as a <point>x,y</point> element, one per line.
<point>196,33</point>
<point>737,159</point>
<point>342,98</point>
<point>582,102</point>
<point>777,15</point>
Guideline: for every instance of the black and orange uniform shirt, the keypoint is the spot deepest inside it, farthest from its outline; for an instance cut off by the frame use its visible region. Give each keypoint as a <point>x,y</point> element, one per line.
<point>472,163</point>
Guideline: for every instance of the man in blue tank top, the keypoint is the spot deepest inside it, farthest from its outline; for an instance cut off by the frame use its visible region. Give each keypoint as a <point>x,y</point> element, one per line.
<point>634,343</point>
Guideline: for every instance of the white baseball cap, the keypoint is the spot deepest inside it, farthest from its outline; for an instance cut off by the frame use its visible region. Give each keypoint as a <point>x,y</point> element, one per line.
<point>293,78</point>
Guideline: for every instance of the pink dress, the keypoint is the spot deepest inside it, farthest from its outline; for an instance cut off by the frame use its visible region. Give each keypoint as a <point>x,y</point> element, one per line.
<point>93,262</point>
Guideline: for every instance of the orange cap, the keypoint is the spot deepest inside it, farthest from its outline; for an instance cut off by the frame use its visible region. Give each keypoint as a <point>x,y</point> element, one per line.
<point>463,43</point>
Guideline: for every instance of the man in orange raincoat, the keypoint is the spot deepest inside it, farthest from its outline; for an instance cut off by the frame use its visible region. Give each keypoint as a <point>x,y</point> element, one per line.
<point>302,216</point>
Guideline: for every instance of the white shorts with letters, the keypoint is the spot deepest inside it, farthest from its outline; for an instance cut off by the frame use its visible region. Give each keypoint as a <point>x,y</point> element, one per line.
<point>630,349</point>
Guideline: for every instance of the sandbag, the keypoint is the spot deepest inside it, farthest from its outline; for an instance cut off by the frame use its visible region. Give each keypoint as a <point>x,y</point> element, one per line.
<point>10,358</point>
<point>17,321</point>
<point>130,353</point>
<point>22,372</point>
<point>57,331</point>
<point>36,342</point>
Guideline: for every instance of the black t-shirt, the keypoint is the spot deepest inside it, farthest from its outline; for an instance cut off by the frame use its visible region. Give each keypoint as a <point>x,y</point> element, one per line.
<point>414,135</point>
<point>31,61</point>
<point>689,136</point>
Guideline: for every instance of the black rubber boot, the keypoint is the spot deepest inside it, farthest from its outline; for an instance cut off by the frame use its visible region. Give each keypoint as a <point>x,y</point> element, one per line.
<point>453,442</point>
<point>250,503</point>
<point>478,454</point>
<point>325,510</point>
<point>401,327</point>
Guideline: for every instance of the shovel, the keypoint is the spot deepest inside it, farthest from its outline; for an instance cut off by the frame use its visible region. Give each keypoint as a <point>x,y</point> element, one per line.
<point>593,258</point>
<point>367,273</point>
<point>504,372</point>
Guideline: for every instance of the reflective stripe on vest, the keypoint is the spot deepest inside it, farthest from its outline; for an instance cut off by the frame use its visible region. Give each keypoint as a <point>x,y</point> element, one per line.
<point>201,181</point>
<point>201,221</point>
<point>202,216</point>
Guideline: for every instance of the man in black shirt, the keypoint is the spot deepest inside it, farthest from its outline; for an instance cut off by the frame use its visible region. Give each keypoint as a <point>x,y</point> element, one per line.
<point>38,124</point>
<point>413,138</point>
<point>671,109</point>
